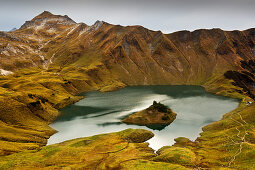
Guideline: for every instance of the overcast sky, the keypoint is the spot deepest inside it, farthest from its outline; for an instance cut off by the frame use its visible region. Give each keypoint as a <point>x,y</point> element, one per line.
<point>165,15</point>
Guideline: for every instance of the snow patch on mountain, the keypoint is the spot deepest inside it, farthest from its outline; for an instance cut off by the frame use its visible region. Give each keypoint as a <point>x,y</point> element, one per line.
<point>51,30</point>
<point>97,25</point>
<point>94,27</point>
<point>39,23</point>
<point>5,72</point>
<point>72,29</point>
<point>5,53</point>
<point>14,29</point>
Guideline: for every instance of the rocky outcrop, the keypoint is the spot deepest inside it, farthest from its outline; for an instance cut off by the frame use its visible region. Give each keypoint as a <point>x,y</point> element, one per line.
<point>244,77</point>
<point>156,114</point>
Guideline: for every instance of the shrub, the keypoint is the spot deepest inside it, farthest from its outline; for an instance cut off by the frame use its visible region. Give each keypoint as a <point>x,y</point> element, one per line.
<point>160,107</point>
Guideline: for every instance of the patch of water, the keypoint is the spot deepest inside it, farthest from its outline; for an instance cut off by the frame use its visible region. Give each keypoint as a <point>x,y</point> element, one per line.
<point>102,112</point>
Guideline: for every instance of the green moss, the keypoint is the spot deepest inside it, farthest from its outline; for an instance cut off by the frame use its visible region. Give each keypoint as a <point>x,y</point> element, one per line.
<point>176,155</point>
<point>81,143</point>
<point>49,151</point>
<point>109,149</point>
<point>137,136</point>
<point>7,165</point>
<point>145,165</point>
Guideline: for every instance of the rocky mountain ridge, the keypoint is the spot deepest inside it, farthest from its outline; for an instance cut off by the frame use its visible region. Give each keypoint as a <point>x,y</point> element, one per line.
<point>49,40</point>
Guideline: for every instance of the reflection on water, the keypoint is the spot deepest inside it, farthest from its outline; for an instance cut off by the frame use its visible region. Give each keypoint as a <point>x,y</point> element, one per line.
<point>102,112</point>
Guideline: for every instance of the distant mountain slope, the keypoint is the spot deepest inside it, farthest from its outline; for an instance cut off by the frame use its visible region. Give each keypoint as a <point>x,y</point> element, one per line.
<point>134,54</point>
<point>13,29</point>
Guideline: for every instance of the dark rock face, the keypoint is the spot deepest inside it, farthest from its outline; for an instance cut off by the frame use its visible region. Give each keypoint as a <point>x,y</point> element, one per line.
<point>152,117</point>
<point>9,36</point>
<point>245,77</point>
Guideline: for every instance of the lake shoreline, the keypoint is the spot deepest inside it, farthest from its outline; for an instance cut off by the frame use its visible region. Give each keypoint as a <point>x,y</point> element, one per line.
<point>156,86</point>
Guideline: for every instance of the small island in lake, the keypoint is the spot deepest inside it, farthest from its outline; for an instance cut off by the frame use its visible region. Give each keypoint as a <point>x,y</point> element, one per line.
<point>157,116</point>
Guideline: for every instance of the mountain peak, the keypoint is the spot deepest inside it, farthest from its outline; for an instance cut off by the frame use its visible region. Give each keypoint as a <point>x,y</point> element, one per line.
<point>48,18</point>
<point>44,14</point>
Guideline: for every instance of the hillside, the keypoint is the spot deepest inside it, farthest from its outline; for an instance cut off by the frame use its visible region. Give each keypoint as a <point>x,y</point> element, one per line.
<point>49,60</point>
<point>131,52</point>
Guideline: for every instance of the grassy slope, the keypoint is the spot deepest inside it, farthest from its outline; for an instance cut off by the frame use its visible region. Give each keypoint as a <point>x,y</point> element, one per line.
<point>121,150</point>
<point>59,85</point>
<point>30,101</point>
<point>219,144</point>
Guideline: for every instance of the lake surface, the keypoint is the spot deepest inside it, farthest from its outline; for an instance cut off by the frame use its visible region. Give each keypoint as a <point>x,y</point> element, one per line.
<point>102,112</point>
